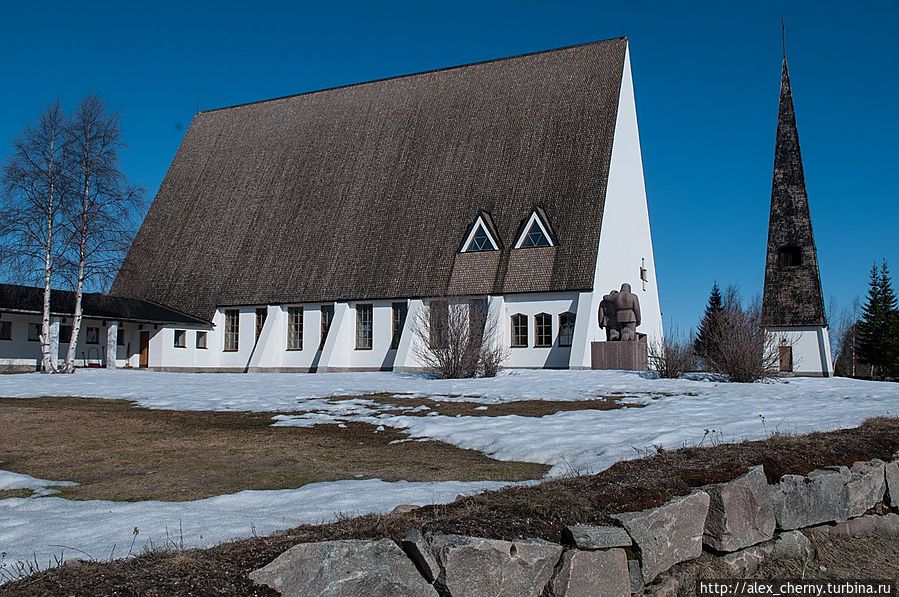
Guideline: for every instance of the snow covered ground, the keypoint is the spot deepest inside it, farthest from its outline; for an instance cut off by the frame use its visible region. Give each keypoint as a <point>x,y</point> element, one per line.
<point>673,413</point>
<point>46,528</point>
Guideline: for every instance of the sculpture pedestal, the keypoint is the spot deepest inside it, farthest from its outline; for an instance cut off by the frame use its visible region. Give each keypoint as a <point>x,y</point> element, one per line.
<point>627,356</point>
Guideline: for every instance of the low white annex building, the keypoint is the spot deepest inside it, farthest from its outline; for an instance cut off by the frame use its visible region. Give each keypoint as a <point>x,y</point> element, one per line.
<point>307,233</point>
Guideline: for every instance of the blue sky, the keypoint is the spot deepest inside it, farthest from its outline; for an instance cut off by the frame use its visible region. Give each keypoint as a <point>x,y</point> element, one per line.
<point>706,77</point>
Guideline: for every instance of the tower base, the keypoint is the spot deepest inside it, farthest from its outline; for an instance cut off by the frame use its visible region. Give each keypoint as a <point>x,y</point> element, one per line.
<point>803,351</point>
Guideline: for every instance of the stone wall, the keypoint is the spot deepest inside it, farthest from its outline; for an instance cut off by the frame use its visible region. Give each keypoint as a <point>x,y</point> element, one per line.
<point>742,522</point>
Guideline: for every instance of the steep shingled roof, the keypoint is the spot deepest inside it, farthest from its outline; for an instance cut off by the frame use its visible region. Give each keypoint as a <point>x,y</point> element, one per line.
<point>365,191</point>
<point>792,295</point>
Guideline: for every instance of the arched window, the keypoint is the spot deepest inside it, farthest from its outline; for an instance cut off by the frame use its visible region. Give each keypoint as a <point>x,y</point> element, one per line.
<point>543,330</point>
<point>519,331</point>
<point>480,238</point>
<point>566,329</point>
<point>789,255</point>
<point>535,232</point>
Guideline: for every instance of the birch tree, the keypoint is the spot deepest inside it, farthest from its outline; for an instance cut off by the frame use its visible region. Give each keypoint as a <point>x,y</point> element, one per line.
<point>34,185</point>
<point>100,214</point>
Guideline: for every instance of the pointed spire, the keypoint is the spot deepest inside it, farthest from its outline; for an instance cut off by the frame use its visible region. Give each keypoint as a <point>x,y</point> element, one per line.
<point>793,294</point>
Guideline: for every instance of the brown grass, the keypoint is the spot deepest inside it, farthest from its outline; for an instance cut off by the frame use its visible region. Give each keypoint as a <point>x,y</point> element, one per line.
<point>15,493</point>
<point>117,451</point>
<point>538,511</point>
<point>523,408</point>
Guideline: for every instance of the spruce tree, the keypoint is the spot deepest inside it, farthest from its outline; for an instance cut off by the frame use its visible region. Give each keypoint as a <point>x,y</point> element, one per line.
<point>878,344</point>
<point>703,343</point>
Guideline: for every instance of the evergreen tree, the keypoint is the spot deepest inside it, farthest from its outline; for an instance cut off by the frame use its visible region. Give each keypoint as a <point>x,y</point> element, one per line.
<point>710,319</point>
<point>878,334</point>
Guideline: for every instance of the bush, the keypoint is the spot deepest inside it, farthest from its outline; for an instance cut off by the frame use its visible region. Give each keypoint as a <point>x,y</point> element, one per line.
<point>459,339</point>
<point>672,356</point>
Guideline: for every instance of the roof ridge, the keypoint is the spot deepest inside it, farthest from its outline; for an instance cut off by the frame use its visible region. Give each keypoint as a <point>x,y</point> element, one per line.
<point>415,74</point>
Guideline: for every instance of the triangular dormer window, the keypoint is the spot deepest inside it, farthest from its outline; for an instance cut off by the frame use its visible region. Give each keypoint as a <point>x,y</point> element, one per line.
<point>479,238</point>
<point>536,233</point>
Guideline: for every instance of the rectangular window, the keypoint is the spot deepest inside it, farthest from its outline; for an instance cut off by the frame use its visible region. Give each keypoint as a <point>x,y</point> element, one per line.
<point>566,329</point>
<point>180,338</point>
<point>232,330</point>
<point>92,336</point>
<point>294,328</point>
<point>519,331</point>
<point>120,336</point>
<point>34,332</point>
<point>477,319</point>
<point>261,314</point>
<point>364,315</point>
<point>543,330</point>
<point>438,316</point>
<point>201,340</point>
<point>399,321</point>
<point>5,330</point>
<point>327,312</point>
<point>65,334</point>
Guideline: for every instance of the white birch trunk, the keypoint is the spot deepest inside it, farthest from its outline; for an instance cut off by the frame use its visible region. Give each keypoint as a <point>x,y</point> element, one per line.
<point>79,288</point>
<point>48,364</point>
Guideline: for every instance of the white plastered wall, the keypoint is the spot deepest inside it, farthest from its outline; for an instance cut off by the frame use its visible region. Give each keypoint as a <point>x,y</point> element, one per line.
<point>625,240</point>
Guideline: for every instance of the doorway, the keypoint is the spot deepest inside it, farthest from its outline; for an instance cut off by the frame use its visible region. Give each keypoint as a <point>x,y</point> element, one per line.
<point>786,359</point>
<point>144,350</point>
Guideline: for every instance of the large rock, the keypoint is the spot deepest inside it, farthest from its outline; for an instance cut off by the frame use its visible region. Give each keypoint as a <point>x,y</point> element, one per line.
<point>419,551</point>
<point>668,534</point>
<point>740,512</point>
<point>344,568</point>
<point>872,524</point>
<point>891,473</point>
<point>820,497</point>
<point>592,573</point>
<point>585,536</point>
<point>866,487</point>
<point>491,568</point>
<point>787,546</point>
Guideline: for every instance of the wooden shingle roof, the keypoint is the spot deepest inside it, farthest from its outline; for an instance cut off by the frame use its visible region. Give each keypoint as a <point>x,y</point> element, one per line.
<point>366,191</point>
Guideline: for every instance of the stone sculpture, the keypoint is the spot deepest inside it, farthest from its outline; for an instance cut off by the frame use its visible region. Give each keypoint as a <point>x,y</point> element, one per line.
<point>627,313</point>
<point>607,319</point>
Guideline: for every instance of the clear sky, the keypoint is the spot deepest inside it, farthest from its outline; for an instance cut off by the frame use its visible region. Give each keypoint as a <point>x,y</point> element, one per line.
<point>706,78</point>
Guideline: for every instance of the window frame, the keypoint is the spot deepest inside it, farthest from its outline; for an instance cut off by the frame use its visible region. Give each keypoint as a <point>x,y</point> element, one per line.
<point>295,328</point>
<point>231,328</point>
<point>205,336</point>
<point>789,256</point>
<point>519,320</point>
<point>535,219</point>
<point>479,224</point>
<point>365,329</point>
<point>326,313</point>
<point>120,336</point>
<point>543,338</point>
<point>5,324</point>
<point>37,328</point>
<point>261,316</point>
<point>563,325</point>
<point>179,335</point>
<point>65,338</point>
<point>399,312</point>
<point>87,335</point>
<point>438,311</point>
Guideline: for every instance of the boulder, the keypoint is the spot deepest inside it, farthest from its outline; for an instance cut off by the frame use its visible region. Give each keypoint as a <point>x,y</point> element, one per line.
<point>344,568</point>
<point>416,547</point>
<point>884,526</point>
<point>669,534</point>
<point>491,568</point>
<point>787,546</point>
<point>585,536</point>
<point>592,573</point>
<point>820,497</point>
<point>740,512</point>
<point>866,487</point>
<point>891,473</point>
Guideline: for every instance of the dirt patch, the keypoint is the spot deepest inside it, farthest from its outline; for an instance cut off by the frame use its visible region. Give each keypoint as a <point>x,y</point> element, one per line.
<point>522,408</point>
<point>15,493</point>
<point>539,511</point>
<point>117,451</point>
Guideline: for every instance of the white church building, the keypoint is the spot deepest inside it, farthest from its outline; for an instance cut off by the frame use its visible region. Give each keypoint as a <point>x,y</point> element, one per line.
<point>307,233</point>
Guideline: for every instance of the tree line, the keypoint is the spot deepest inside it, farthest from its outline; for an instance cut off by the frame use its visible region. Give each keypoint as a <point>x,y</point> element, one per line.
<point>67,212</point>
<point>867,344</point>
